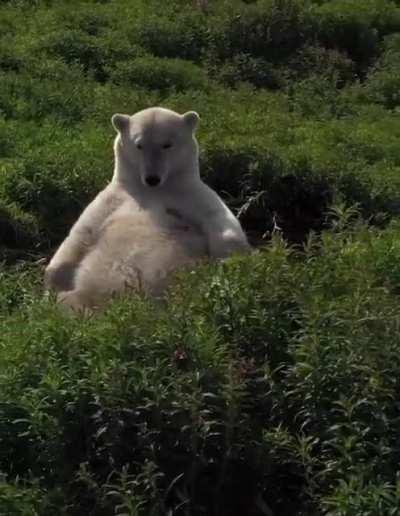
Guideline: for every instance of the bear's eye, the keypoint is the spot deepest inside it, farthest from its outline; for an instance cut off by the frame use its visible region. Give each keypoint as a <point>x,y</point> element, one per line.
<point>167,145</point>
<point>139,146</point>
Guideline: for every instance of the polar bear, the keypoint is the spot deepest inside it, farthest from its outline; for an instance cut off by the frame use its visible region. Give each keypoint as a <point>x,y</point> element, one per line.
<point>155,216</point>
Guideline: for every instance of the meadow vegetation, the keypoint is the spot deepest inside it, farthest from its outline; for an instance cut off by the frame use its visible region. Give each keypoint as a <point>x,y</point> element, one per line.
<point>266,385</point>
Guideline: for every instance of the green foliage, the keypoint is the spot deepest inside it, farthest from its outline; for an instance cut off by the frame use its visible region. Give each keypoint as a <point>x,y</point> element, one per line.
<point>19,501</point>
<point>264,371</point>
<point>183,36</point>
<point>266,384</point>
<point>245,68</point>
<point>155,73</point>
<point>383,84</point>
<point>268,28</point>
<point>357,28</point>
<point>17,228</point>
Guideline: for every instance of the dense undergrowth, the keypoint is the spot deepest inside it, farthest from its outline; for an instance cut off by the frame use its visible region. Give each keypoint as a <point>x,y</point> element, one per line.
<point>266,385</point>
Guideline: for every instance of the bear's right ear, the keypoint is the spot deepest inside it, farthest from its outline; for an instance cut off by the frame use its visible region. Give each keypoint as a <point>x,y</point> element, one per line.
<point>120,122</point>
<point>191,118</point>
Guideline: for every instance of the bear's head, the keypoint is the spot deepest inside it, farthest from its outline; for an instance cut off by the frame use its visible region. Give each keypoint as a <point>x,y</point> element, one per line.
<point>156,146</point>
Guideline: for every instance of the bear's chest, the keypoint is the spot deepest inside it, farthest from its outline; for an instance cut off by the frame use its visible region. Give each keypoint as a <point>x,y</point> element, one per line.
<point>161,218</point>
<point>177,221</point>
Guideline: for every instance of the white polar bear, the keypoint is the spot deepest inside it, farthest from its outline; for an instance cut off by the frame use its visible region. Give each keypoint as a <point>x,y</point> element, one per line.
<point>155,216</point>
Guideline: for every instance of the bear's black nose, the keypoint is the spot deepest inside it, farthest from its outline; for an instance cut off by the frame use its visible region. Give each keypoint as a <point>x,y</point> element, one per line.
<point>152,180</point>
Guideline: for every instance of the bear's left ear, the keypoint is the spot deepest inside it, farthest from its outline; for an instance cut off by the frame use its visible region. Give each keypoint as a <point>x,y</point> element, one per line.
<point>191,118</point>
<point>120,122</point>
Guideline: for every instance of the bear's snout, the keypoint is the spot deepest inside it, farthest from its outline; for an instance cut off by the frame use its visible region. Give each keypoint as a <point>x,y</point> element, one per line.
<point>152,180</point>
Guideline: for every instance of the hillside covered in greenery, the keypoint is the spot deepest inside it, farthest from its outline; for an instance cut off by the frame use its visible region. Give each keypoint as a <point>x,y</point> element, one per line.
<point>266,385</point>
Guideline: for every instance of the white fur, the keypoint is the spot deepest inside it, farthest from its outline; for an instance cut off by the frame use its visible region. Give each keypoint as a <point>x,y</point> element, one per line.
<point>134,235</point>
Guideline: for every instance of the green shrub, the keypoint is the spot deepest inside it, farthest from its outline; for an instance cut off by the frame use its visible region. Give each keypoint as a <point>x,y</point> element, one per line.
<point>75,47</point>
<point>358,497</point>
<point>328,63</point>
<point>156,73</point>
<point>8,59</point>
<point>63,166</point>
<point>17,500</point>
<point>90,19</point>
<point>267,29</point>
<point>179,35</point>
<point>265,370</point>
<point>383,82</point>
<point>26,96</point>
<point>245,68</point>
<point>356,28</point>
<point>315,97</point>
<point>93,53</point>
<point>17,229</point>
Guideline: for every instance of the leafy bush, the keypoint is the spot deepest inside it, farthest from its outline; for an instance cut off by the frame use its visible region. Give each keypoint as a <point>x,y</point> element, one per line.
<point>357,28</point>
<point>383,84</point>
<point>93,53</point>
<point>185,37</point>
<point>156,73</point>
<point>266,29</point>
<point>20,501</point>
<point>25,96</point>
<point>263,371</point>
<point>328,63</point>
<point>17,229</point>
<point>245,68</point>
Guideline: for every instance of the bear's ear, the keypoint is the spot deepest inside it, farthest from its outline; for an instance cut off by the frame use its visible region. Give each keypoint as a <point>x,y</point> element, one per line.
<point>191,118</point>
<point>120,122</point>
